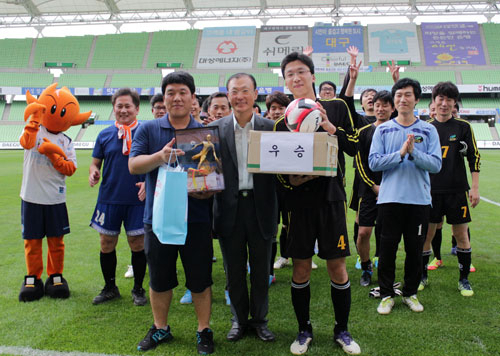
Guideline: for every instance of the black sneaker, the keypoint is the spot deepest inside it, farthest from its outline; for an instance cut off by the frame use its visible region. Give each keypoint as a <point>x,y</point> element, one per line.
<point>205,341</point>
<point>139,296</point>
<point>366,278</point>
<point>107,294</point>
<point>155,337</point>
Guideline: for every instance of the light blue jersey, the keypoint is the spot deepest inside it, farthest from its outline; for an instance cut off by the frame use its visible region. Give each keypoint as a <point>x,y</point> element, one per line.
<point>406,180</point>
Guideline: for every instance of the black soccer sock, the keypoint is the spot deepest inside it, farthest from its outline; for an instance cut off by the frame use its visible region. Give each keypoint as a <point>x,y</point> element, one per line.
<point>378,228</point>
<point>108,268</point>
<point>341,300</point>
<point>366,266</point>
<point>274,251</point>
<point>453,241</point>
<point>355,234</point>
<point>436,243</point>
<point>425,262</point>
<point>464,260</point>
<point>468,233</point>
<point>139,265</point>
<point>301,297</point>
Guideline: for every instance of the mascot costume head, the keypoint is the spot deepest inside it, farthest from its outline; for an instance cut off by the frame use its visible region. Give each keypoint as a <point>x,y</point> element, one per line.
<point>48,159</point>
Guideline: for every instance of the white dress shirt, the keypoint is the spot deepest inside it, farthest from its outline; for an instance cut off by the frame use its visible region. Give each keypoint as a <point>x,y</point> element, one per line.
<point>241,134</point>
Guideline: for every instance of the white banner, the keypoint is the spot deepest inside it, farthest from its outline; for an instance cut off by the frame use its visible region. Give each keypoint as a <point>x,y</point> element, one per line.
<point>393,41</point>
<point>335,62</point>
<point>226,47</point>
<point>488,144</point>
<point>17,145</point>
<point>283,153</point>
<point>275,42</point>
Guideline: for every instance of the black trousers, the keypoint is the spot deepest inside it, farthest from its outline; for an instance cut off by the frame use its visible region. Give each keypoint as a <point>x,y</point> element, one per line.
<point>411,222</point>
<point>246,243</point>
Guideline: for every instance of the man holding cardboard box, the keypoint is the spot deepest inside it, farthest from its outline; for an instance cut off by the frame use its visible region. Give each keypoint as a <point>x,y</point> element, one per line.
<point>317,212</point>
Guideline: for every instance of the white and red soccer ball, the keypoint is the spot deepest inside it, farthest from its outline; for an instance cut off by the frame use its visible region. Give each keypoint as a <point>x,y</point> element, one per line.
<point>303,115</point>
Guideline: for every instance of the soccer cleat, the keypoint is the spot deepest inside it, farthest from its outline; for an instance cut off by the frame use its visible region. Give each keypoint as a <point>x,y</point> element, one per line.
<point>345,340</point>
<point>314,265</point>
<point>413,303</point>
<point>301,343</point>
<point>366,278</point>
<point>358,263</point>
<point>281,262</point>
<point>228,300</point>
<point>205,341</point>
<point>465,288</point>
<point>130,272</point>
<point>154,337</point>
<point>423,283</point>
<point>139,296</point>
<point>454,251</point>
<point>272,279</point>
<point>375,261</point>
<point>472,268</point>
<point>435,264</point>
<point>187,298</point>
<point>107,294</point>
<point>385,305</point>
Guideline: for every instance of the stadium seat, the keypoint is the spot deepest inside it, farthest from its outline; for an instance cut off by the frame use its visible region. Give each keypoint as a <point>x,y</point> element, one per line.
<point>206,79</point>
<point>82,80</point>
<point>173,47</point>
<point>15,52</point>
<point>429,78</point>
<point>30,80</point>
<point>136,80</point>
<point>110,50</point>
<point>102,108</point>
<point>73,49</point>
<point>491,35</point>
<point>481,132</point>
<point>480,76</point>
<point>480,103</point>
<point>17,111</point>
<point>10,133</point>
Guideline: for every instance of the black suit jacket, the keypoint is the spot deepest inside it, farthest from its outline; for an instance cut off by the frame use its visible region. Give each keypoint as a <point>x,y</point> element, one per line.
<point>226,202</point>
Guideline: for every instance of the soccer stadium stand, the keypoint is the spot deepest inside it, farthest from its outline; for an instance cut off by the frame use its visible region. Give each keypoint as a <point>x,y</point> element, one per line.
<point>497,127</point>
<point>11,133</point>
<point>492,38</point>
<point>173,47</point>
<point>481,132</point>
<point>125,50</point>
<point>102,108</point>
<point>73,131</point>
<point>2,107</point>
<point>423,103</point>
<point>480,76</point>
<point>15,52</point>
<point>145,111</point>
<point>91,132</point>
<point>262,79</point>
<point>430,78</point>
<point>136,80</point>
<point>74,49</point>
<point>374,79</point>
<point>333,77</point>
<point>82,80</point>
<point>17,111</point>
<point>480,103</point>
<point>206,79</point>
<point>26,79</point>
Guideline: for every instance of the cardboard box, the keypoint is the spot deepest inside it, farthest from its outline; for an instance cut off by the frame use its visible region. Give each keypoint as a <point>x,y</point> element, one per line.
<point>293,153</point>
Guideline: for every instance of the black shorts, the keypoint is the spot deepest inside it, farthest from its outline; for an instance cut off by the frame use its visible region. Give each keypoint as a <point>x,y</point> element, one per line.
<point>39,220</point>
<point>354,201</point>
<point>368,210</point>
<point>196,257</point>
<point>326,223</point>
<point>454,206</point>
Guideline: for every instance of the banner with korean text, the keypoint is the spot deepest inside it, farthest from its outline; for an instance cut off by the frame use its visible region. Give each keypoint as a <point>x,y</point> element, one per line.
<point>275,42</point>
<point>226,47</point>
<point>393,41</point>
<point>453,43</point>
<point>330,45</point>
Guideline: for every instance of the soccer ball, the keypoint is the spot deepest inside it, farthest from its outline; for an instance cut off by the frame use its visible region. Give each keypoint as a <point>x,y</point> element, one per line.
<point>303,115</point>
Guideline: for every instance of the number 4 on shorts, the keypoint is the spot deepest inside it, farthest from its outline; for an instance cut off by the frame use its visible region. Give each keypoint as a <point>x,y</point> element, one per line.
<point>341,243</point>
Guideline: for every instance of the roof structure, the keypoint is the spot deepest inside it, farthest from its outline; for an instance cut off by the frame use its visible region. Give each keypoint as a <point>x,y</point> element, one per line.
<point>41,13</point>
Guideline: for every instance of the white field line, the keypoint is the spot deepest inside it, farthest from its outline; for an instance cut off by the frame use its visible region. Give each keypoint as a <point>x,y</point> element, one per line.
<point>28,351</point>
<point>490,201</point>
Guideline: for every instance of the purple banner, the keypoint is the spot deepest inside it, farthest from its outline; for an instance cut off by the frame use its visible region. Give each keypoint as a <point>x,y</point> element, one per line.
<point>452,43</point>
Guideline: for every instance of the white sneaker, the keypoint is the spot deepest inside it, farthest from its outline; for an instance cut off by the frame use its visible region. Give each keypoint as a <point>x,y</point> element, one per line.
<point>314,265</point>
<point>301,343</point>
<point>413,303</point>
<point>385,306</point>
<point>280,263</point>
<point>130,272</point>
<point>345,340</point>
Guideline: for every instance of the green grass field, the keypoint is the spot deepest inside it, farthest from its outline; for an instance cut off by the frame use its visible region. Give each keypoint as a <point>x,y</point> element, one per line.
<point>450,324</point>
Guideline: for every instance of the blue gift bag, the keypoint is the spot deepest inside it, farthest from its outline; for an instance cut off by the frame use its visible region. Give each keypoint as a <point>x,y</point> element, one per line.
<point>170,206</point>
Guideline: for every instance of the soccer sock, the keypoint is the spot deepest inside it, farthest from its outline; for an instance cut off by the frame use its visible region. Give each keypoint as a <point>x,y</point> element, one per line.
<point>425,261</point>
<point>436,243</point>
<point>341,300</point>
<point>301,297</point>
<point>108,267</point>
<point>468,233</point>
<point>453,241</point>
<point>139,265</point>
<point>377,239</point>
<point>366,266</point>
<point>355,234</point>
<point>464,260</point>
<point>274,251</point>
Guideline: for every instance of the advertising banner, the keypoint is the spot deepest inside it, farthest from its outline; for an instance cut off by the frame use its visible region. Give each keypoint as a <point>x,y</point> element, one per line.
<point>453,43</point>
<point>393,41</point>
<point>226,47</point>
<point>275,42</point>
<point>330,44</point>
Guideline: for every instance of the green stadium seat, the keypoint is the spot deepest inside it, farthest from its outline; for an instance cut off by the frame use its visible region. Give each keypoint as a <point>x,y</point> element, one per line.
<point>491,35</point>
<point>102,108</point>
<point>73,131</point>
<point>206,79</point>
<point>73,49</point>
<point>428,78</point>
<point>497,127</point>
<point>480,76</point>
<point>82,80</point>
<point>31,80</point>
<point>145,111</point>
<point>481,132</point>
<point>17,111</point>
<point>332,77</point>
<point>10,133</point>
<point>91,132</point>
<point>374,79</point>
<point>480,103</point>
<point>136,80</point>
<point>2,107</point>
<point>124,50</point>
<point>423,103</point>
<point>16,52</point>
<point>173,47</point>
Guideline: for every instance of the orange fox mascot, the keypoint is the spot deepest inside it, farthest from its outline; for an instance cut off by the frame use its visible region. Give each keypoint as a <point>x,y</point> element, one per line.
<point>49,157</point>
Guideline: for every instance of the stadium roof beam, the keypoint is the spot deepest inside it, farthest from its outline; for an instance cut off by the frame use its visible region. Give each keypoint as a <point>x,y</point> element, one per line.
<point>189,6</point>
<point>111,5</point>
<point>31,8</point>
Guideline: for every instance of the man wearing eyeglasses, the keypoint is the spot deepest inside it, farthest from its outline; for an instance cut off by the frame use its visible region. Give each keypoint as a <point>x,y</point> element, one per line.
<point>327,90</point>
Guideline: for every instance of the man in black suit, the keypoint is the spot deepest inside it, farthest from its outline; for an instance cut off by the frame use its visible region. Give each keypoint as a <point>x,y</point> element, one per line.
<point>245,212</point>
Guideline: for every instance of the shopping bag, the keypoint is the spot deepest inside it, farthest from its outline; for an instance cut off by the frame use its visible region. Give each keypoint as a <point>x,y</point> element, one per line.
<point>170,205</point>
